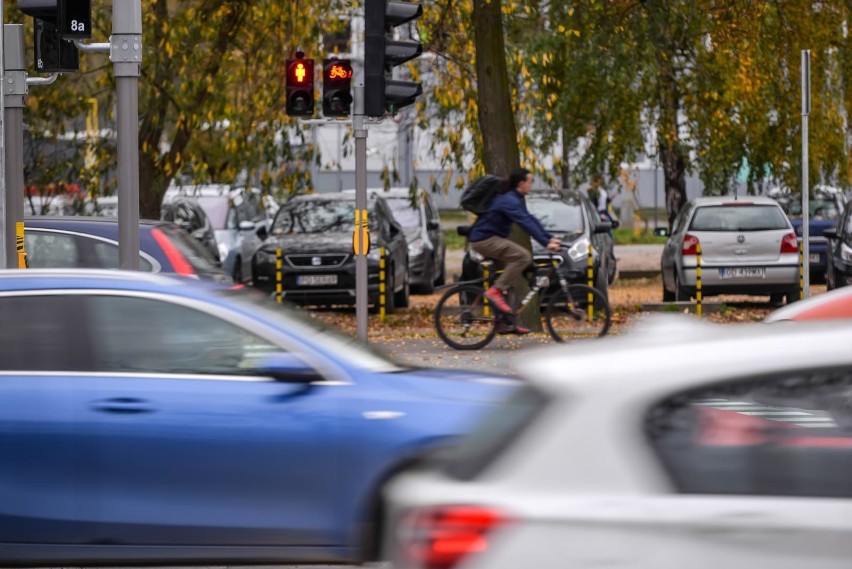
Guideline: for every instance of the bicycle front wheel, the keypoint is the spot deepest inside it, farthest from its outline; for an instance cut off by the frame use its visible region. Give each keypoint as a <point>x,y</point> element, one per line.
<point>583,313</point>
<point>463,318</point>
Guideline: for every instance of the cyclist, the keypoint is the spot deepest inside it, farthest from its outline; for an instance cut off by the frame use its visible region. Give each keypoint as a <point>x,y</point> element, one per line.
<point>489,237</point>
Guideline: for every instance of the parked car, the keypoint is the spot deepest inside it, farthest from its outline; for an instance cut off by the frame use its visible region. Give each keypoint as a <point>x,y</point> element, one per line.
<point>748,246</point>
<point>570,216</point>
<point>315,235</point>
<point>421,223</point>
<point>834,304</point>
<point>650,458</point>
<point>147,420</point>
<point>240,218</point>
<point>824,208</point>
<point>188,214</point>
<point>838,271</point>
<point>57,242</point>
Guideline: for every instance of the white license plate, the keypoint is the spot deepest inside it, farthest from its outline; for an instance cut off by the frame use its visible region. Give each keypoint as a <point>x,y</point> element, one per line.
<point>814,257</point>
<point>742,273</point>
<point>316,280</point>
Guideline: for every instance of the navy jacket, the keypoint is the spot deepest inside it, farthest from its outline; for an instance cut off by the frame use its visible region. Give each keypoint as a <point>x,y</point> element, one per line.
<point>505,209</point>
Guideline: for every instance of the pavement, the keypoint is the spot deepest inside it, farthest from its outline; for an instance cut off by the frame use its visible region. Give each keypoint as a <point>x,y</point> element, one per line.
<point>504,353</point>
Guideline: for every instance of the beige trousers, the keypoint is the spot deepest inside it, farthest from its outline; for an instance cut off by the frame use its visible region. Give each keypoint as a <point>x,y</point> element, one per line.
<point>513,257</point>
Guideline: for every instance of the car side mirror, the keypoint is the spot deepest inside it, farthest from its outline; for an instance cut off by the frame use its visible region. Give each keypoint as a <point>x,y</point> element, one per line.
<point>463,230</point>
<point>246,226</point>
<point>831,232</point>
<point>433,225</point>
<point>262,231</point>
<point>603,227</point>
<point>287,368</point>
<point>661,231</point>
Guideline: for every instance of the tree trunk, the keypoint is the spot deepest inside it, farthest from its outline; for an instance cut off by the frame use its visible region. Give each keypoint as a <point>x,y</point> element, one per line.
<point>672,153</point>
<point>497,118</point>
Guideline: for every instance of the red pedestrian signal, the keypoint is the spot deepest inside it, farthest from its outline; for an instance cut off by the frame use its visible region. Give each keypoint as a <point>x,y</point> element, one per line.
<point>300,86</point>
<point>336,87</point>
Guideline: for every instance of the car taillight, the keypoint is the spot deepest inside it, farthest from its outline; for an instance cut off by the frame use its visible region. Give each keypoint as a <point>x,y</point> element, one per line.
<point>439,538</point>
<point>789,243</point>
<point>690,244</point>
<point>175,257</point>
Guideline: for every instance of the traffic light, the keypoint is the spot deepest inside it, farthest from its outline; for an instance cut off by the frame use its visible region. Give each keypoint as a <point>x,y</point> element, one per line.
<point>382,53</point>
<point>300,86</point>
<point>71,18</point>
<point>336,87</point>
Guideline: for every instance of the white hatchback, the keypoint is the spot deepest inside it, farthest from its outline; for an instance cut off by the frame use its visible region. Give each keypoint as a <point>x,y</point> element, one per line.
<point>699,446</point>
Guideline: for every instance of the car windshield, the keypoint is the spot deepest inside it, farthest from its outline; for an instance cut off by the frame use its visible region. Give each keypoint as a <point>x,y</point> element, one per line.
<point>819,206</point>
<point>299,323</point>
<point>557,215</point>
<point>745,217</point>
<point>318,216</point>
<point>216,209</point>
<point>403,213</point>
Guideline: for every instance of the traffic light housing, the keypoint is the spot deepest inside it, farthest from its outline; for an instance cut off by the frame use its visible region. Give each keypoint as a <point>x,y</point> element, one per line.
<point>300,86</point>
<point>336,87</point>
<point>382,93</point>
<point>71,18</point>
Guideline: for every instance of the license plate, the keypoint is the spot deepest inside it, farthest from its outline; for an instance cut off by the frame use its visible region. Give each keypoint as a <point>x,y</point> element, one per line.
<point>814,257</point>
<point>742,273</point>
<point>316,280</point>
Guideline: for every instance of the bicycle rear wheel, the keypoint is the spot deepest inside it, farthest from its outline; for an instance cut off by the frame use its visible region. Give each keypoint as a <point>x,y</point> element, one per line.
<point>587,315</point>
<point>463,319</point>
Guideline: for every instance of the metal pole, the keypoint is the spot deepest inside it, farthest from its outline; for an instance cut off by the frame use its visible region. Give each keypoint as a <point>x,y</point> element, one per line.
<point>806,109</point>
<point>14,90</point>
<point>360,205</point>
<point>126,56</point>
<point>4,219</point>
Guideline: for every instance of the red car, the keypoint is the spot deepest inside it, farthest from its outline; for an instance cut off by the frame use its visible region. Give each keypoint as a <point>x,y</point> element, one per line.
<point>834,304</point>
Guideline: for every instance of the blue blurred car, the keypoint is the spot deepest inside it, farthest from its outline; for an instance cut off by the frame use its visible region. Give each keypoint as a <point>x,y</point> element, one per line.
<point>824,207</point>
<point>153,419</point>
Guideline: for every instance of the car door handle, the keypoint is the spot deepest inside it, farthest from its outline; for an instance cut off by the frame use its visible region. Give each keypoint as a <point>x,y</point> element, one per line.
<point>123,405</point>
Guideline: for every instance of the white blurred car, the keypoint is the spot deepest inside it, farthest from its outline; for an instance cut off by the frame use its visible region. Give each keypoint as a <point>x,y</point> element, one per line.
<point>699,446</point>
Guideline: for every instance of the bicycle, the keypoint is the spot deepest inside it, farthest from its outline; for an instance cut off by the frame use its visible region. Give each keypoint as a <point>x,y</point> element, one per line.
<point>466,320</point>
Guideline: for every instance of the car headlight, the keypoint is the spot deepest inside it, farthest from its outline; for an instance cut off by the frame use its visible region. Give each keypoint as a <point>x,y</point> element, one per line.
<point>416,247</point>
<point>265,256</point>
<point>223,251</point>
<point>845,253</point>
<point>474,256</point>
<point>374,254</point>
<point>580,249</point>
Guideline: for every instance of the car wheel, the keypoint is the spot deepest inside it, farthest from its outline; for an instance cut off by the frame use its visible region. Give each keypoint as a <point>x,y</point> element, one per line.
<point>402,298</point>
<point>681,292</point>
<point>442,275</point>
<point>602,284</point>
<point>776,298</point>
<point>667,295</point>
<point>612,268</point>
<point>791,295</point>
<point>429,286</point>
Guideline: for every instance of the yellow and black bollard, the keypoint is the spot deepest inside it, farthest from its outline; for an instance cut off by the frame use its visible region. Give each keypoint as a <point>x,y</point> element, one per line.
<point>382,284</point>
<point>279,276</point>
<point>590,274</point>
<point>23,262</point>
<point>698,310</point>
<point>801,270</point>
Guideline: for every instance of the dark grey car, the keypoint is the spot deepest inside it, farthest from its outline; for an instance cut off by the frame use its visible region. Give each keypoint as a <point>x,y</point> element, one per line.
<point>421,224</point>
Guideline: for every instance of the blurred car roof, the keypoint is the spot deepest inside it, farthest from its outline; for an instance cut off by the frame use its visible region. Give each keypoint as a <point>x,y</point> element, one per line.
<point>833,305</point>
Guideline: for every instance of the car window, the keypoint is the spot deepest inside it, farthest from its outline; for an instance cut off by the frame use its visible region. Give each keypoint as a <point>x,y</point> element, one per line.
<point>51,339</point>
<point>403,213</point>
<point>199,257</point>
<point>819,206</point>
<point>738,218</point>
<point>319,216</point>
<point>154,336</point>
<point>47,250</point>
<point>494,434</point>
<point>788,435</point>
<point>557,215</point>
<point>217,211</point>
<point>106,255</point>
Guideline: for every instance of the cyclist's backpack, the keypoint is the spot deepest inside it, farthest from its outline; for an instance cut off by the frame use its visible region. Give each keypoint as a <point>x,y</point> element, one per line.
<point>478,195</point>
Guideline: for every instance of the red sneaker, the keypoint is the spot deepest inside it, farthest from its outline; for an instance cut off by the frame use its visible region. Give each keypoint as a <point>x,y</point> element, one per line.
<point>498,300</point>
<point>520,330</point>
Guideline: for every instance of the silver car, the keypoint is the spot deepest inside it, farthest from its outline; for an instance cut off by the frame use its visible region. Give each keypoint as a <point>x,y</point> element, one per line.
<point>746,245</point>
